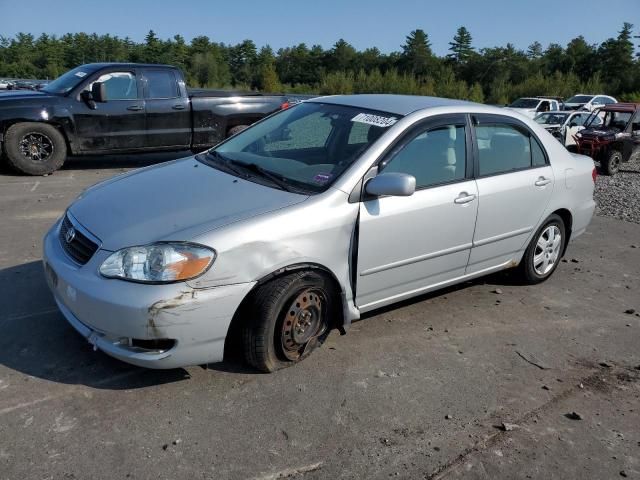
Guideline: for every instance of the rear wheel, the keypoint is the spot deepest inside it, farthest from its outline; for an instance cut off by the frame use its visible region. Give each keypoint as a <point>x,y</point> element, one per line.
<point>35,148</point>
<point>288,318</point>
<point>237,129</point>
<point>544,252</point>
<point>610,163</point>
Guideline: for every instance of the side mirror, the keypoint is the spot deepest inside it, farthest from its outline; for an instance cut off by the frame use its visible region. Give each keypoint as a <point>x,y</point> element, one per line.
<point>573,124</point>
<point>391,184</point>
<point>99,92</point>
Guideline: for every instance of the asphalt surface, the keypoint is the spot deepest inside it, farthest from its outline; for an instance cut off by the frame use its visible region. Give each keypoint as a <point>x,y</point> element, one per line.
<point>420,390</point>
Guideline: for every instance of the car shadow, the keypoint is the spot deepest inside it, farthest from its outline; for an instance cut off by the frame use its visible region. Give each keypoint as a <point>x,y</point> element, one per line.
<point>500,279</point>
<point>37,341</point>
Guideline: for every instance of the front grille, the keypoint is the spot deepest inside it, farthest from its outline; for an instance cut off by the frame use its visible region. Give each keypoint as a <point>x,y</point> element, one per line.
<point>81,248</point>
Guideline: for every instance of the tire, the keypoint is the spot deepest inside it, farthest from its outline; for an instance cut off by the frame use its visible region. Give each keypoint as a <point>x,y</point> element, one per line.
<point>237,129</point>
<point>274,334</point>
<point>610,163</point>
<point>35,148</point>
<point>543,254</point>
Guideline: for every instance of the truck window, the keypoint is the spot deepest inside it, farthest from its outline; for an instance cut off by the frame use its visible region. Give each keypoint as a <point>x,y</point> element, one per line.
<point>119,85</point>
<point>161,84</point>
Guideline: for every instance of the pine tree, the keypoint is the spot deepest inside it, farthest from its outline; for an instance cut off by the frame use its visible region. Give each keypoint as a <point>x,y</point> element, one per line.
<point>417,57</point>
<point>535,50</point>
<point>460,47</point>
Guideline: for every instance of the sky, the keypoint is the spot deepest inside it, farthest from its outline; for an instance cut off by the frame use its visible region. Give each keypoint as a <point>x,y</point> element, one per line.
<point>363,23</point>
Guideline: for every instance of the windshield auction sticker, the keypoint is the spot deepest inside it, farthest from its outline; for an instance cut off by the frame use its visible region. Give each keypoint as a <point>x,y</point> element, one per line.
<point>81,74</point>
<point>375,120</point>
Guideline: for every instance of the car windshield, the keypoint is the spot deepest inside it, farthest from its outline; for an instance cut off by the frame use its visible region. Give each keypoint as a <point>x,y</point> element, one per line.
<point>306,147</point>
<point>580,99</point>
<point>67,81</point>
<point>614,120</point>
<point>525,103</point>
<point>551,118</point>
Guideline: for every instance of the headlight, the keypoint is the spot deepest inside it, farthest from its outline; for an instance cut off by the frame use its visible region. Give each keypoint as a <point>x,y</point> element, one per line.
<point>159,262</point>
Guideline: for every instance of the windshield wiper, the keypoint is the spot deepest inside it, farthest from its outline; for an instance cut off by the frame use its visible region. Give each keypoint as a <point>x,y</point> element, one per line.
<point>255,168</point>
<point>226,163</point>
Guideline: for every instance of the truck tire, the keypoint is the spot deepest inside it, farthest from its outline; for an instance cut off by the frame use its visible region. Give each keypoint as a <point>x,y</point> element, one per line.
<point>35,148</point>
<point>610,163</point>
<point>287,319</point>
<point>237,129</point>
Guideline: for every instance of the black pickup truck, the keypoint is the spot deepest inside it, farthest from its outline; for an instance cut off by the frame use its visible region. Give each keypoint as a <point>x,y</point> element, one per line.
<point>104,108</point>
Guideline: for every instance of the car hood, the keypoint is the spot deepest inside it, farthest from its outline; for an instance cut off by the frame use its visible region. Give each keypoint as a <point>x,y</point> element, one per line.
<point>174,201</point>
<point>598,132</point>
<point>23,95</point>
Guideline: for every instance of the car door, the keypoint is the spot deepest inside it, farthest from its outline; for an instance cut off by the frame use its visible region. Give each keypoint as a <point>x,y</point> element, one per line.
<point>407,244</point>
<point>574,123</point>
<point>515,183</point>
<point>118,123</point>
<point>167,109</point>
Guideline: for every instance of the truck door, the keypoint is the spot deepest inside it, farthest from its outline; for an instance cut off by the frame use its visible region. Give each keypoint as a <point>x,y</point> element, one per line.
<point>118,123</point>
<point>167,109</point>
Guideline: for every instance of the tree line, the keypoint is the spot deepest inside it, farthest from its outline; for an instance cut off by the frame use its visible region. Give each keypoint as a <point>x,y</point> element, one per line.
<point>492,75</point>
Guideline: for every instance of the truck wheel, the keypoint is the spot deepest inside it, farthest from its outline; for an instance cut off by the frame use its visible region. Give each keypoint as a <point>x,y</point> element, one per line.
<point>543,254</point>
<point>35,148</point>
<point>610,163</point>
<point>237,129</point>
<point>287,319</point>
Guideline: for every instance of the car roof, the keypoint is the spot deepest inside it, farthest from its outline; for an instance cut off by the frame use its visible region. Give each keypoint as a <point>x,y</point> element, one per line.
<point>621,107</point>
<point>126,65</point>
<point>560,112</point>
<point>398,104</point>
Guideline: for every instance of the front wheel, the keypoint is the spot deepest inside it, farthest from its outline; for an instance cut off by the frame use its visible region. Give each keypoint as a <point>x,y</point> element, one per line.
<point>611,162</point>
<point>35,148</point>
<point>544,252</point>
<point>288,318</point>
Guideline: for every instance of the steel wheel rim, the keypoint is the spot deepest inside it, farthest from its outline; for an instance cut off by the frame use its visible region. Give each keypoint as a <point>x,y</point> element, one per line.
<point>547,250</point>
<point>615,162</point>
<point>303,322</point>
<point>36,146</point>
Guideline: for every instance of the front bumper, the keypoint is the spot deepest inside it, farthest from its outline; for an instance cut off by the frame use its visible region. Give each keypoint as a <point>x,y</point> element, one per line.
<point>114,315</point>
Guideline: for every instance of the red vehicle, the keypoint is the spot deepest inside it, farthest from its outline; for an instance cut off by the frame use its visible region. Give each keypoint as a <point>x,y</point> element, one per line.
<point>611,136</point>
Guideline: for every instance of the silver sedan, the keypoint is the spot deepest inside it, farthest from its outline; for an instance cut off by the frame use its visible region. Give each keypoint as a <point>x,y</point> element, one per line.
<point>311,217</point>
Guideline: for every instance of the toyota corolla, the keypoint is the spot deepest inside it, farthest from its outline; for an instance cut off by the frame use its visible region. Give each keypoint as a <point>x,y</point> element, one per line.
<point>304,221</point>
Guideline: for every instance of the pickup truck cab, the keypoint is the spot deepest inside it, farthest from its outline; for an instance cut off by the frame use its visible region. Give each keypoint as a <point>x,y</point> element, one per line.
<point>104,108</point>
<point>587,102</point>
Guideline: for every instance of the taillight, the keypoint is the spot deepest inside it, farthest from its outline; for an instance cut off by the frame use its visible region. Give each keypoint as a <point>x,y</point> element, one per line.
<point>594,174</point>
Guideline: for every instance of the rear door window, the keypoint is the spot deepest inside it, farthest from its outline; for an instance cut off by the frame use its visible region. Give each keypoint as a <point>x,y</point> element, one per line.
<point>504,148</point>
<point>161,84</point>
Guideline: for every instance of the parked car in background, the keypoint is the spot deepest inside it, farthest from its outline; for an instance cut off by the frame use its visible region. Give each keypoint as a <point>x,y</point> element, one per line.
<point>611,136</point>
<point>304,221</point>
<point>588,102</point>
<point>121,108</point>
<point>24,85</point>
<point>5,84</point>
<point>531,106</point>
<point>563,124</point>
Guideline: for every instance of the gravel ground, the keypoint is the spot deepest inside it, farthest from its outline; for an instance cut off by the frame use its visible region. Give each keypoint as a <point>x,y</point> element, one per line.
<point>619,196</point>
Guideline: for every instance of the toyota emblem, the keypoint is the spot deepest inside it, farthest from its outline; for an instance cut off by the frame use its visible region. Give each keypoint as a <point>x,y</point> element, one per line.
<point>70,235</point>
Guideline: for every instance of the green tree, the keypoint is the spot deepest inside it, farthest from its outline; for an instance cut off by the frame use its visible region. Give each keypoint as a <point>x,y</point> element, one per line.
<point>417,57</point>
<point>460,47</point>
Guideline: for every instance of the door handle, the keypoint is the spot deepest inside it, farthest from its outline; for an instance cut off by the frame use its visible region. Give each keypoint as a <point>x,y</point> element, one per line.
<point>178,106</point>
<point>464,197</point>
<point>135,108</point>
<point>541,182</point>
